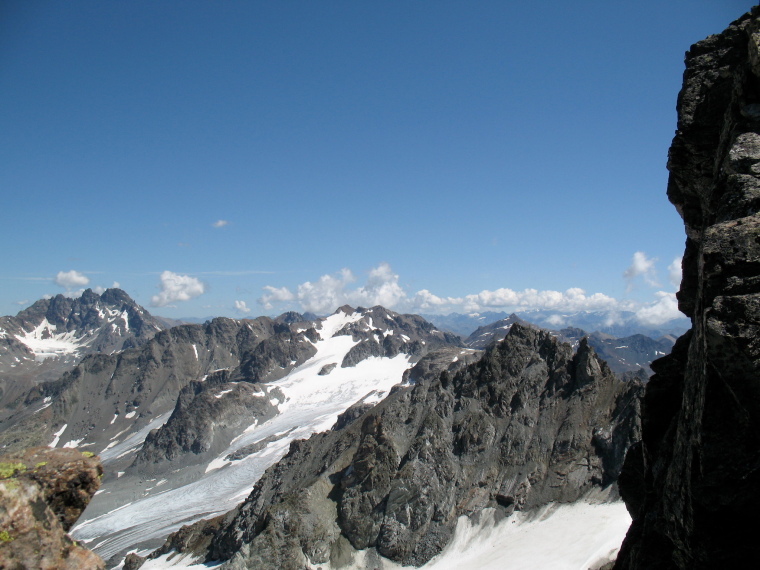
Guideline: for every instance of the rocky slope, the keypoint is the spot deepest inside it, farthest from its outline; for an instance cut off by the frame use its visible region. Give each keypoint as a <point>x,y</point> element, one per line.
<point>627,356</point>
<point>42,493</point>
<point>51,336</point>
<point>692,485</point>
<point>630,355</point>
<point>527,424</point>
<point>108,395</point>
<point>201,410</point>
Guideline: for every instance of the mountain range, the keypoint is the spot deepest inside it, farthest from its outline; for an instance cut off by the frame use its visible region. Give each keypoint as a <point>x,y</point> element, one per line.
<point>370,439</point>
<point>201,410</point>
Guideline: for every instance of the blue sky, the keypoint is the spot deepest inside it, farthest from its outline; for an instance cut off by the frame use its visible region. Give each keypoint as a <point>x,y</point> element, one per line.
<point>244,158</point>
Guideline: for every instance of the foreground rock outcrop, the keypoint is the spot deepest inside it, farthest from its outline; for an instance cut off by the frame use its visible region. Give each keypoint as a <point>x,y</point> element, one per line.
<point>42,493</point>
<point>693,485</point>
<point>527,424</point>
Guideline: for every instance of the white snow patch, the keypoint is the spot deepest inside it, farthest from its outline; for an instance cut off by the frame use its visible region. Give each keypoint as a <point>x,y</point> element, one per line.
<point>58,435</point>
<point>577,536</point>
<point>114,418</point>
<point>332,324</point>
<point>174,560</point>
<point>45,342</point>
<point>133,441</point>
<point>130,415</point>
<point>195,350</point>
<point>74,443</point>
<point>222,393</point>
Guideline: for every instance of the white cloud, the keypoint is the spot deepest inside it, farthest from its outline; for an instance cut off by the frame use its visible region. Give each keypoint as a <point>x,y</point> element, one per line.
<point>574,299</point>
<point>674,272</point>
<point>23,303</point>
<point>71,279</point>
<point>220,223</point>
<point>327,293</point>
<point>641,266</point>
<point>241,307</point>
<point>664,309</point>
<point>275,295</point>
<point>175,287</point>
<point>556,321</point>
<point>424,300</point>
<point>382,288</point>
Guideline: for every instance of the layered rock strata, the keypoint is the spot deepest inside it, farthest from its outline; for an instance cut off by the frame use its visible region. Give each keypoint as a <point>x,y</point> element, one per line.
<point>693,485</point>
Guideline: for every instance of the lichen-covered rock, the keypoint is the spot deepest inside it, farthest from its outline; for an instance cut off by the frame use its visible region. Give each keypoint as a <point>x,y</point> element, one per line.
<point>693,485</point>
<point>42,493</point>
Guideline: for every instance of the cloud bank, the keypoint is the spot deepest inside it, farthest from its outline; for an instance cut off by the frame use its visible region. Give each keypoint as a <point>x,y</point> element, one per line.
<point>381,287</point>
<point>175,287</point>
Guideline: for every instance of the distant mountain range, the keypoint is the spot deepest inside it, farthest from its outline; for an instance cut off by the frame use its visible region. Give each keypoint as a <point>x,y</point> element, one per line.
<point>625,356</point>
<point>186,418</point>
<point>623,324</point>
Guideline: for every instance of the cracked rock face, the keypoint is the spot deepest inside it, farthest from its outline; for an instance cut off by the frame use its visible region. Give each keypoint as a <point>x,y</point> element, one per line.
<point>42,493</point>
<point>693,483</point>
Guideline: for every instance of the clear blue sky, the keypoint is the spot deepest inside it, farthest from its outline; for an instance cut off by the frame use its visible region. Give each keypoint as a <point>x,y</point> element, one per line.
<point>465,149</point>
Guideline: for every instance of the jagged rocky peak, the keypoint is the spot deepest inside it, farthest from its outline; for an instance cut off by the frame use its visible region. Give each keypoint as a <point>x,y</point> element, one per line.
<point>43,341</point>
<point>381,332</point>
<point>527,424</point>
<point>89,323</point>
<point>693,484</point>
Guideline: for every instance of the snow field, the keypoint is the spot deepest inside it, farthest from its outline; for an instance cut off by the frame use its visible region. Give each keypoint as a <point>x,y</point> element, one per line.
<point>311,404</point>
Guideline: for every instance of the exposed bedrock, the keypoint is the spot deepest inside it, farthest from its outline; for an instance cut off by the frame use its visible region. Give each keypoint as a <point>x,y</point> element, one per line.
<point>693,484</point>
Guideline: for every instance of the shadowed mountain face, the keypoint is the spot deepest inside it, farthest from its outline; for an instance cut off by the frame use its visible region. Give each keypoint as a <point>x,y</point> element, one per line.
<point>693,484</point>
<point>527,424</point>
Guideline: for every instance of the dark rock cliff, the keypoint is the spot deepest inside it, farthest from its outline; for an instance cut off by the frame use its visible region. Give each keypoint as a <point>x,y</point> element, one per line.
<point>693,484</point>
<point>527,424</point>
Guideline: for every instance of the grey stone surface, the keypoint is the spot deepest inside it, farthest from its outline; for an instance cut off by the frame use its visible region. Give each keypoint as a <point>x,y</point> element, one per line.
<point>692,485</point>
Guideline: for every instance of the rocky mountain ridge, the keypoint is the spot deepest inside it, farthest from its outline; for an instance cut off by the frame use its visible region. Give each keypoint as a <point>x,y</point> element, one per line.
<point>52,335</point>
<point>528,423</point>
<point>172,409</point>
<point>626,356</point>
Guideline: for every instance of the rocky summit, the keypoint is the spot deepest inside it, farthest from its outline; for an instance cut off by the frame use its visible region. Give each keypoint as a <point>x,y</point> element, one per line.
<point>693,484</point>
<point>53,335</point>
<point>527,424</point>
